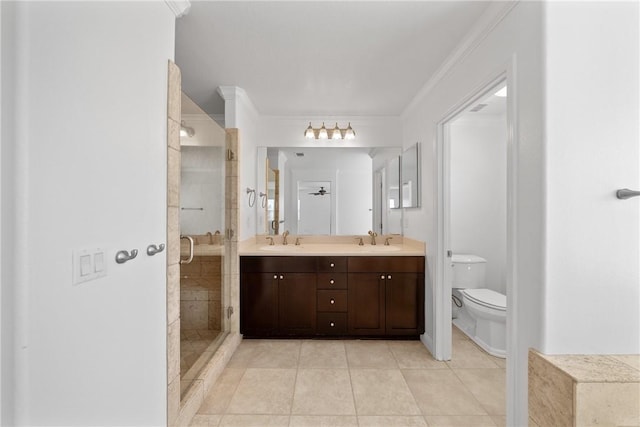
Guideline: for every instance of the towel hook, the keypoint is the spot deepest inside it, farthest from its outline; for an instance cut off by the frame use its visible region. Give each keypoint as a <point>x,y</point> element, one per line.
<point>124,256</point>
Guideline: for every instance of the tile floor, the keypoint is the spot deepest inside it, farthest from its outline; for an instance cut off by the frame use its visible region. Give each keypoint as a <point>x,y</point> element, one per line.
<point>356,383</point>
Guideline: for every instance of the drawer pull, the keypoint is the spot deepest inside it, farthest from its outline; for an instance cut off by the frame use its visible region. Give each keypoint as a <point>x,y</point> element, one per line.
<point>275,276</point>
<point>389,277</point>
<point>332,324</point>
<point>281,277</point>
<point>332,281</point>
<point>332,301</point>
<point>382,277</point>
<point>332,265</point>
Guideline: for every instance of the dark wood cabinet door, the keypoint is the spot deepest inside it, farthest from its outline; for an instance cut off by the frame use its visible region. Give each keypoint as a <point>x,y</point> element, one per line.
<point>404,304</point>
<point>259,304</point>
<point>366,302</point>
<point>297,303</point>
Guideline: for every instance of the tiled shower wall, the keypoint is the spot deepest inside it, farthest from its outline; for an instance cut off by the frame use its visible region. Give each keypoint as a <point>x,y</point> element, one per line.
<point>201,293</point>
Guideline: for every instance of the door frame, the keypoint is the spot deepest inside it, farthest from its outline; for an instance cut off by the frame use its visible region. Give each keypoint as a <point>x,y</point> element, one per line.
<point>442,291</point>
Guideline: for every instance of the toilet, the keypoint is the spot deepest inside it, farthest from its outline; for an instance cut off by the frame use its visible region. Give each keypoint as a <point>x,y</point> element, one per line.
<point>483,315</point>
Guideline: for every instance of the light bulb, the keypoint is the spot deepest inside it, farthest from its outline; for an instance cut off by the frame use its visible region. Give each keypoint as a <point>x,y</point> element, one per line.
<point>336,133</point>
<point>323,132</point>
<point>349,133</point>
<point>309,132</point>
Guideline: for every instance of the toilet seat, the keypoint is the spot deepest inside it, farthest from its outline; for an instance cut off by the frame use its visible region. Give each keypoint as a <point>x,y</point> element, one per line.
<point>487,298</point>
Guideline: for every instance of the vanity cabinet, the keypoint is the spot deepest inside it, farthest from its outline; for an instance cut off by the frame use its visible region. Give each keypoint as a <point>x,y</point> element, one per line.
<point>277,296</point>
<point>386,296</point>
<point>371,296</point>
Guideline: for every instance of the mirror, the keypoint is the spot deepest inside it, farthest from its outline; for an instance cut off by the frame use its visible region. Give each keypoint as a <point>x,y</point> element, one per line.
<point>330,191</point>
<point>410,177</point>
<point>273,200</point>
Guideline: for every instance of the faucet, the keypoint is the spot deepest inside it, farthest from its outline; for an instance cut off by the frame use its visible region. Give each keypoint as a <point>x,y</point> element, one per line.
<point>386,240</point>
<point>298,241</point>
<point>373,235</point>
<point>360,242</point>
<point>210,237</point>
<point>284,237</point>
<point>270,239</point>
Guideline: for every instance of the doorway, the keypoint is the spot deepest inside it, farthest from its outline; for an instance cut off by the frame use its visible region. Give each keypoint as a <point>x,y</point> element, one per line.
<point>476,209</point>
<point>314,207</point>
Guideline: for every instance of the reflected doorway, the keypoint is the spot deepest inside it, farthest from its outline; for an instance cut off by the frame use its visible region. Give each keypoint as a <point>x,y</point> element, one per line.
<point>314,207</point>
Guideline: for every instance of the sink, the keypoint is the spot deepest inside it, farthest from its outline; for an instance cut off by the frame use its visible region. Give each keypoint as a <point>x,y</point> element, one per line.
<point>379,248</point>
<point>279,248</point>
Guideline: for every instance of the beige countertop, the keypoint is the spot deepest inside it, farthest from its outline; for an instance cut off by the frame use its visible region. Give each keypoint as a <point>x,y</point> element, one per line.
<point>331,245</point>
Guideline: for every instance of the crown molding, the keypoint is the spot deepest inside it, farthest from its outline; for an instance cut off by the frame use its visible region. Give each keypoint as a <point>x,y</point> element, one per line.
<point>179,7</point>
<point>488,21</point>
<point>231,93</point>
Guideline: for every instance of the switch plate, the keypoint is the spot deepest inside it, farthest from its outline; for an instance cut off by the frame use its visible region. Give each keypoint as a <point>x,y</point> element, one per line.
<point>88,264</point>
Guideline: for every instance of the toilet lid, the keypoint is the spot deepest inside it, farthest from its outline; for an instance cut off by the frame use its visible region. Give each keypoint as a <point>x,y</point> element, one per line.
<point>487,297</point>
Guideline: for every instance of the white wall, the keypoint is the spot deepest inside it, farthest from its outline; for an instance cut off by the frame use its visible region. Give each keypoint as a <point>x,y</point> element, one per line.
<point>240,113</point>
<point>515,39</point>
<point>592,251</point>
<point>7,213</point>
<point>479,192</point>
<point>91,91</point>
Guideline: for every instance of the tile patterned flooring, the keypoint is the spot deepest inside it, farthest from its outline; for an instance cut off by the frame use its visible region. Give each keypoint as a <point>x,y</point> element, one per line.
<point>356,383</point>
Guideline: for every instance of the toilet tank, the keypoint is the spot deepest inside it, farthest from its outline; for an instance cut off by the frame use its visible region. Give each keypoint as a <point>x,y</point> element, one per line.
<point>469,271</point>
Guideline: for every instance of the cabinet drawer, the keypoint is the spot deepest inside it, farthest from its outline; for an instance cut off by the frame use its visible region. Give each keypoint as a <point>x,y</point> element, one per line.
<point>329,300</point>
<point>332,263</point>
<point>332,281</point>
<point>332,323</point>
<point>278,264</point>
<point>386,264</point>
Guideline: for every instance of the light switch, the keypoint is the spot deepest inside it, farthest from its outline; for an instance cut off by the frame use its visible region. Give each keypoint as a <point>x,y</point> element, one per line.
<point>98,262</point>
<point>85,265</point>
<point>88,264</point>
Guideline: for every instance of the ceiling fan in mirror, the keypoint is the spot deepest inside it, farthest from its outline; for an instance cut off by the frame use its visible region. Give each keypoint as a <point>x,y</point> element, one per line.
<point>320,192</point>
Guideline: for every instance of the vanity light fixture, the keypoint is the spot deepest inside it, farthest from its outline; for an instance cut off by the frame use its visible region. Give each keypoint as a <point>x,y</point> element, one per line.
<point>186,130</point>
<point>331,133</point>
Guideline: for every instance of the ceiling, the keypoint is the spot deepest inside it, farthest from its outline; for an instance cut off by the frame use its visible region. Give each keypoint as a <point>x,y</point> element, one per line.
<point>315,58</point>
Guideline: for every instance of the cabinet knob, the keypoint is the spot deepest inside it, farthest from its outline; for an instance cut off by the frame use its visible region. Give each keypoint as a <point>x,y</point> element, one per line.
<point>332,281</point>
<point>332,324</point>
<point>281,276</point>
<point>332,301</point>
<point>389,277</point>
<point>275,276</point>
<point>382,277</point>
<point>332,265</point>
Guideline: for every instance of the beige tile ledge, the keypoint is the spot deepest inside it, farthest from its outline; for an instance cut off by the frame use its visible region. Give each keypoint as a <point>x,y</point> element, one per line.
<point>332,245</point>
<point>583,390</point>
<point>597,368</point>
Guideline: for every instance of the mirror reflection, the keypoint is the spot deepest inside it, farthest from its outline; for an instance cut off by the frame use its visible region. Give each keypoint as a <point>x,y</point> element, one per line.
<point>410,177</point>
<point>329,191</point>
